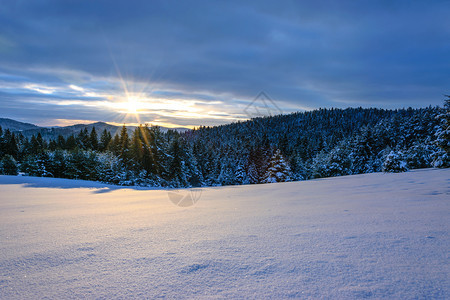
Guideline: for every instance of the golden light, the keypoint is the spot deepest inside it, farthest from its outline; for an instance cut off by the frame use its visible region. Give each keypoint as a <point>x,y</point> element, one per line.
<point>132,105</point>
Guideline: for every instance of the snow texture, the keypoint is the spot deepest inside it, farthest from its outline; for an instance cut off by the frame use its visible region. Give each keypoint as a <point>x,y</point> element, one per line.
<point>362,236</point>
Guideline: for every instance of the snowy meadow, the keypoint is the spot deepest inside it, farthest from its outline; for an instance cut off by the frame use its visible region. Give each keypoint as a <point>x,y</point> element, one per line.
<point>362,236</point>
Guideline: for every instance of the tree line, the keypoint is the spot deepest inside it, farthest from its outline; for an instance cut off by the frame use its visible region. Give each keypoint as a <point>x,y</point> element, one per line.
<point>298,146</point>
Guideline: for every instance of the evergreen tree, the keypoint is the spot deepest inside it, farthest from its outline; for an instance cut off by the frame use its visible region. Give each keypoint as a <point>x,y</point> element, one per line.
<point>35,146</point>
<point>8,165</point>
<point>83,139</point>
<point>258,161</point>
<point>105,139</point>
<point>124,144</point>
<point>419,156</point>
<point>442,157</point>
<point>10,144</point>
<point>240,176</point>
<point>60,142</point>
<point>363,152</point>
<point>93,139</point>
<point>114,145</point>
<point>278,170</point>
<point>176,167</point>
<point>71,143</point>
<point>57,163</point>
<point>52,145</point>
<point>394,163</point>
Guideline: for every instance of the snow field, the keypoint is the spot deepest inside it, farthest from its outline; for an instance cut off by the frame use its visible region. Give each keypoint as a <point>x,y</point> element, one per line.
<point>363,236</point>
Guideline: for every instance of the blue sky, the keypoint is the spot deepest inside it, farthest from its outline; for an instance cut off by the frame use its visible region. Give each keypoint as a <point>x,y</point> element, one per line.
<point>190,63</point>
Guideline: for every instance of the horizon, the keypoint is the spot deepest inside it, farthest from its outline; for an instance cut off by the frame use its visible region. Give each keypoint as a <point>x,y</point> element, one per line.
<point>68,123</point>
<point>186,65</point>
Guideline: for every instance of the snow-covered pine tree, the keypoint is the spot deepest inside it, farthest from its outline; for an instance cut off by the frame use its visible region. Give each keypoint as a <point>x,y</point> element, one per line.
<point>240,176</point>
<point>418,156</point>
<point>278,170</point>
<point>258,160</point>
<point>57,163</point>
<point>177,164</point>
<point>394,163</point>
<point>441,159</point>
<point>83,141</point>
<point>8,165</point>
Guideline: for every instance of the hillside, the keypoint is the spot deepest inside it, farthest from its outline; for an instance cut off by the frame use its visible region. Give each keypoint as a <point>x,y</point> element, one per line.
<point>13,125</point>
<point>363,236</point>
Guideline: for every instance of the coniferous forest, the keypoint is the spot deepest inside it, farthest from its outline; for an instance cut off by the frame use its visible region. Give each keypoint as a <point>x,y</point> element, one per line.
<point>298,146</point>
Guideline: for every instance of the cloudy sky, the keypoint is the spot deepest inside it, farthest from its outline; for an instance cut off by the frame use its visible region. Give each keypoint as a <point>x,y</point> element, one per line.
<point>190,63</point>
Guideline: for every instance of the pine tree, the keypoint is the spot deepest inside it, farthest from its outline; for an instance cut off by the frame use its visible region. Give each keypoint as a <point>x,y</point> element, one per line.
<point>52,145</point>
<point>35,145</point>
<point>93,139</point>
<point>158,150</point>
<point>240,176</point>
<point>176,167</point>
<point>71,143</point>
<point>57,163</point>
<point>394,163</point>
<point>137,146</point>
<point>419,156</point>
<point>61,142</point>
<point>278,170</point>
<point>124,144</point>
<point>10,144</point>
<point>105,139</point>
<point>8,165</point>
<point>442,157</point>
<point>363,152</point>
<point>83,141</point>
<point>114,145</point>
<point>258,161</point>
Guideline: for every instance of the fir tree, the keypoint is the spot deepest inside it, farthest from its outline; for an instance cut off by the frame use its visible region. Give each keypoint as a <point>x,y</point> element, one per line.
<point>442,157</point>
<point>394,163</point>
<point>8,165</point>
<point>83,141</point>
<point>105,139</point>
<point>93,139</point>
<point>278,170</point>
<point>57,163</point>
<point>61,142</point>
<point>124,144</point>
<point>71,143</point>
<point>176,167</point>
<point>10,144</point>
<point>114,145</point>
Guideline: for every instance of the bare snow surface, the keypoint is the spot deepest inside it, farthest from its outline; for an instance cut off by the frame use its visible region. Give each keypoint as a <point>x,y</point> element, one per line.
<point>364,236</point>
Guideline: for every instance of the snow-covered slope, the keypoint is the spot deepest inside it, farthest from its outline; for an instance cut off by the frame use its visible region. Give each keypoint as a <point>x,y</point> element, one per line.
<point>364,236</point>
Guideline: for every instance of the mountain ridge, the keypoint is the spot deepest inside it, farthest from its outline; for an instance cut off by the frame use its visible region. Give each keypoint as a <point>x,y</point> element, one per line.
<point>28,129</point>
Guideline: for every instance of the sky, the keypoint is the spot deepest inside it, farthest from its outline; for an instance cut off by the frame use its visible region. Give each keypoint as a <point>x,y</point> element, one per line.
<point>192,63</point>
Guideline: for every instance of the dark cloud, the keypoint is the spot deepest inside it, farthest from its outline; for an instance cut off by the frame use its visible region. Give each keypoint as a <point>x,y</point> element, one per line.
<point>304,54</point>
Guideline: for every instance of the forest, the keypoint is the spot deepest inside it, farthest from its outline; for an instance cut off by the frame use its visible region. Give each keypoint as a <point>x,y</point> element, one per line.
<point>297,146</point>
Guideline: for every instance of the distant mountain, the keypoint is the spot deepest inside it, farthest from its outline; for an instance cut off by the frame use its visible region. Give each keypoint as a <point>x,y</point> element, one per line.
<point>49,133</point>
<point>14,125</point>
<point>29,130</point>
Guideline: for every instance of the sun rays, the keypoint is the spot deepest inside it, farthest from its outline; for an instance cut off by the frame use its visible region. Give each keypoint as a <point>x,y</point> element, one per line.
<point>126,100</point>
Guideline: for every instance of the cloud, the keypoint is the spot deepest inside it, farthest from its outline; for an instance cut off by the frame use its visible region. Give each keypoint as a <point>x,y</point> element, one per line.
<point>306,54</point>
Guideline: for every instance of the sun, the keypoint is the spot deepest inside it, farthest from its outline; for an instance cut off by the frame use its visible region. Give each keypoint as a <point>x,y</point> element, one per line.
<point>132,105</point>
